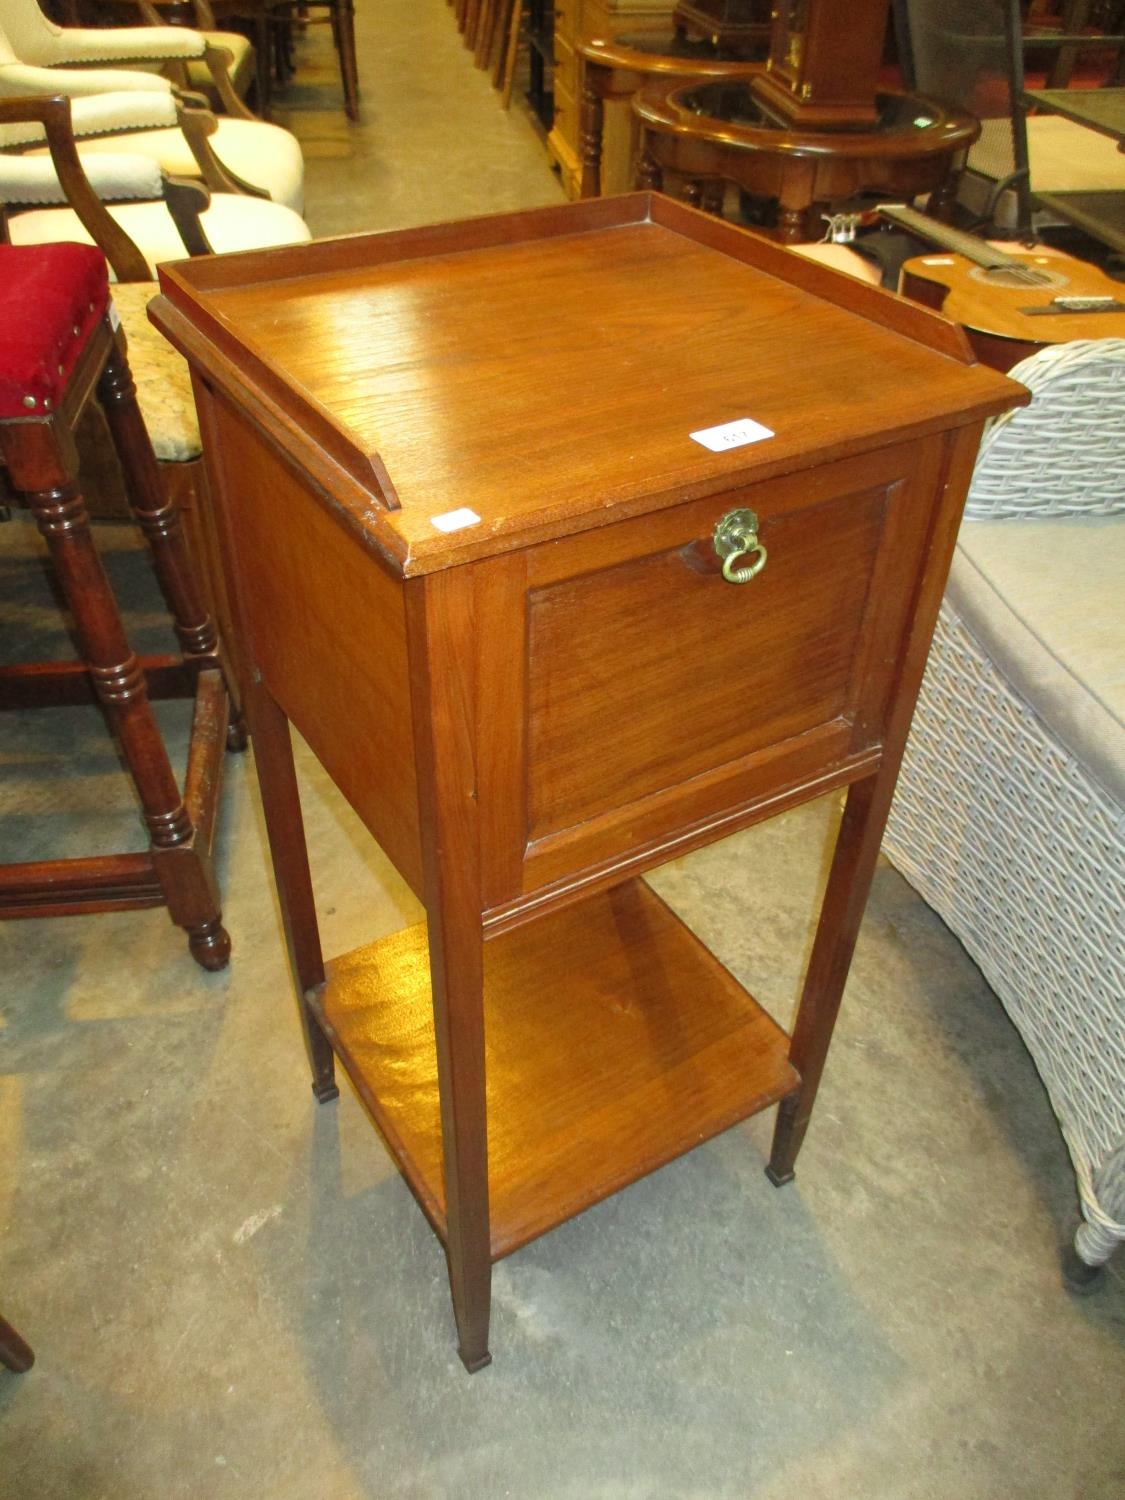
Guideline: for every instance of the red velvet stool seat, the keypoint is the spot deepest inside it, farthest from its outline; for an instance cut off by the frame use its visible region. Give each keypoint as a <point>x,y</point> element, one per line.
<point>58,346</point>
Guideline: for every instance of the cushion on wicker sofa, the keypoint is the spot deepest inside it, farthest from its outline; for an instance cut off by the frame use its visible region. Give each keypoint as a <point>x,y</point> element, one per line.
<point>1046,599</point>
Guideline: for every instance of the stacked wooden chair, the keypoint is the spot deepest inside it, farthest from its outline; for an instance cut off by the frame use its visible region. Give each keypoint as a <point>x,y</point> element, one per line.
<point>236,153</point>
<point>227,71</point>
<point>492,30</point>
<point>287,18</point>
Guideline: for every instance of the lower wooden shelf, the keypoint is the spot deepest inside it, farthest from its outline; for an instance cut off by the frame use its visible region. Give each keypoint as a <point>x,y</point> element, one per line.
<point>614,1042</point>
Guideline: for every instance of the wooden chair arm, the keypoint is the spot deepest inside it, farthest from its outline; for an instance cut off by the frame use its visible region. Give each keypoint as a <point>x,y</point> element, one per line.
<point>198,125</point>
<point>185,201</point>
<point>53,113</point>
<point>218,61</point>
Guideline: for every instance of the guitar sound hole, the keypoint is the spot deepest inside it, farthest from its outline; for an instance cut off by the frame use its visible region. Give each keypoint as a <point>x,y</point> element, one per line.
<point>1018,276</point>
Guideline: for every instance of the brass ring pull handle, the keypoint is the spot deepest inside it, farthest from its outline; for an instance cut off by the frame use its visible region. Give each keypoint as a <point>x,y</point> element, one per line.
<point>736,537</point>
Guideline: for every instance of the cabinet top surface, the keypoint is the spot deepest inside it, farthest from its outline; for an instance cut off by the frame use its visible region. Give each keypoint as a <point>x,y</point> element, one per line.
<point>546,371</point>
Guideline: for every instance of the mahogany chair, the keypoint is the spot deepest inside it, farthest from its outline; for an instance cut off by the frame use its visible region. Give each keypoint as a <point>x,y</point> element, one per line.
<point>15,1355</point>
<point>275,25</point>
<point>58,346</point>
<point>287,16</point>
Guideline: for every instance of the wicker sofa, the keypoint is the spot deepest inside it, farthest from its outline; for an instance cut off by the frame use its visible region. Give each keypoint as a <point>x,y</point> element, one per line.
<point>1009,817</point>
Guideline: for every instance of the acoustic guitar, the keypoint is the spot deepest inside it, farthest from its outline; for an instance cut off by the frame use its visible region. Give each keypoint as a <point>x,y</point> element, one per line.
<point>1009,304</point>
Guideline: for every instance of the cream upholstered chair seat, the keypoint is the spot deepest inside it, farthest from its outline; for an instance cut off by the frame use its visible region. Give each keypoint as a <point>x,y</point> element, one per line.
<point>260,153</point>
<point>264,155</point>
<point>1009,817</point>
<point>37,39</point>
<point>230,223</point>
<point>126,187</point>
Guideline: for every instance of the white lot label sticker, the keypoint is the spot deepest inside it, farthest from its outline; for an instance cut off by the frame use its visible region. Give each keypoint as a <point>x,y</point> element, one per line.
<point>114,316</point>
<point>455,520</point>
<point>731,435</point>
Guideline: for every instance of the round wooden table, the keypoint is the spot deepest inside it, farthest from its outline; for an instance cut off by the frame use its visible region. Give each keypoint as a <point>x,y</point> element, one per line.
<point>617,70</point>
<point>712,133</point>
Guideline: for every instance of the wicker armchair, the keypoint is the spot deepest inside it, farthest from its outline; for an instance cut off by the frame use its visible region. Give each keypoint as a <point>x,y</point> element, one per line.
<point>1009,817</point>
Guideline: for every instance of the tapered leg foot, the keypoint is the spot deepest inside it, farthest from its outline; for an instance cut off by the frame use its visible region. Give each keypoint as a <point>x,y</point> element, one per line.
<point>779,1179</point>
<point>209,944</point>
<point>788,1133</point>
<point>15,1354</point>
<point>475,1362</point>
<point>470,1281</point>
<point>322,1059</point>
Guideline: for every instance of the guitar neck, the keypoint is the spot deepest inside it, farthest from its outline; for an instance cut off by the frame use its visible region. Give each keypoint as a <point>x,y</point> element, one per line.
<point>948,239</point>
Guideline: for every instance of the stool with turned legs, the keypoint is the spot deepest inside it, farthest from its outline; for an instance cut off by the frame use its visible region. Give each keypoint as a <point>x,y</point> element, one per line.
<point>58,346</point>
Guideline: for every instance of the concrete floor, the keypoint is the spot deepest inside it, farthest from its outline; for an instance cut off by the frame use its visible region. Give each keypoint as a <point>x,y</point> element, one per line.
<point>231,1292</point>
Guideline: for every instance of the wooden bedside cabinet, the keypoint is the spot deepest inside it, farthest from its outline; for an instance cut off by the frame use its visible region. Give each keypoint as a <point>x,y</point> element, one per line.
<point>523,652</point>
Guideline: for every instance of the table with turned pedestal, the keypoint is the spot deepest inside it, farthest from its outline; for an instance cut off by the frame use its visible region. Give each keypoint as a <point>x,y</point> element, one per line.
<point>539,657</point>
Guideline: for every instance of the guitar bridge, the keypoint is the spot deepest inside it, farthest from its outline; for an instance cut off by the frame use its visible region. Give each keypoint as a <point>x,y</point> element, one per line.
<point>1064,305</point>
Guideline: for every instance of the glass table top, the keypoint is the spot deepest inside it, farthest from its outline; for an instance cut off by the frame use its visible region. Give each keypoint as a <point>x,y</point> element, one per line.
<point>735,104</point>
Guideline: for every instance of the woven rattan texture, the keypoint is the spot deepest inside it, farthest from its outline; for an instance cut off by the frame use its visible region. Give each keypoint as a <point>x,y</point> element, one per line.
<point>1023,855</point>
<point>1064,456</point>
<point>1003,832</point>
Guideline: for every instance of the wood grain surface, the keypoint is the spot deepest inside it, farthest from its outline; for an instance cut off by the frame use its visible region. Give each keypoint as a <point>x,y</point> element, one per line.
<point>446,365</point>
<point>598,1071</point>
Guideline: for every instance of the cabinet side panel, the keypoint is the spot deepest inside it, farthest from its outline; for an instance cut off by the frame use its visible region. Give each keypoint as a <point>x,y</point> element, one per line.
<point>326,628</point>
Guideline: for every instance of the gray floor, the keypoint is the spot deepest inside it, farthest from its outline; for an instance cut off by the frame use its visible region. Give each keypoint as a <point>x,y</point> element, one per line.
<point>231,1292</point>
